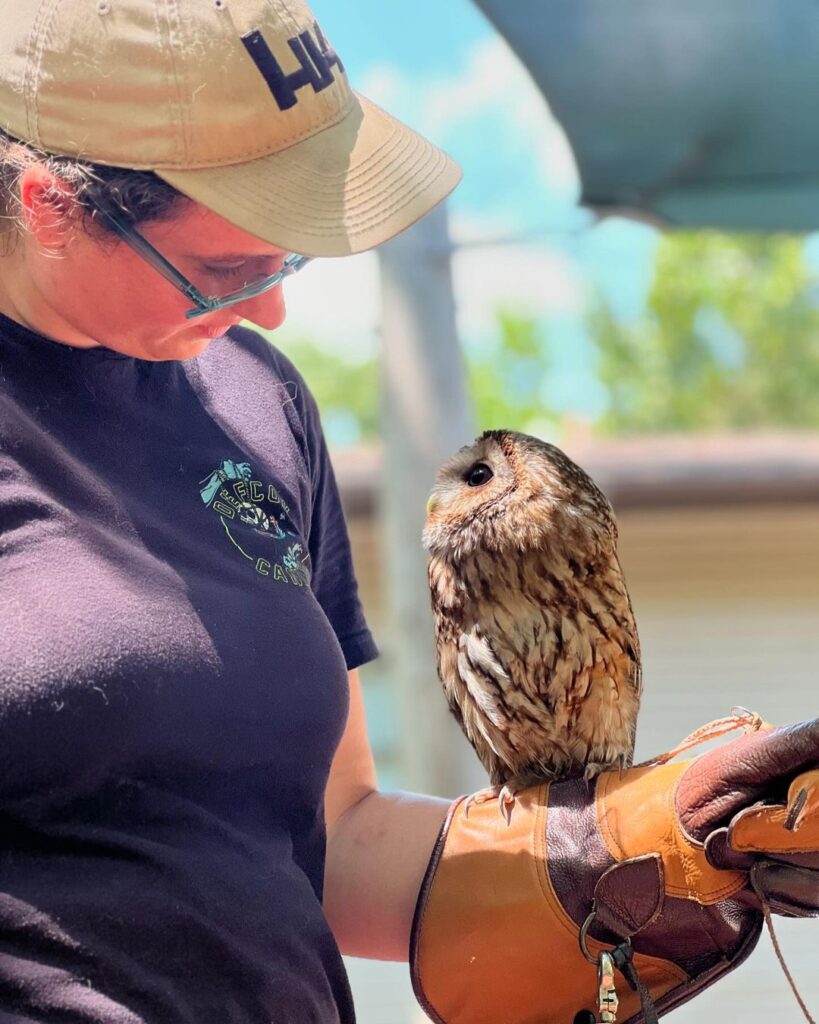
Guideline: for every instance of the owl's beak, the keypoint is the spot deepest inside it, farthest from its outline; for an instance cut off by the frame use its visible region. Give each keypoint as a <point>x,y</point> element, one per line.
<point>431,505</point>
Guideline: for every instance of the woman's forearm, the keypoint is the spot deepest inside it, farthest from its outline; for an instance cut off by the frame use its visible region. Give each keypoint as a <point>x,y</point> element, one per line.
<point>377,853</point>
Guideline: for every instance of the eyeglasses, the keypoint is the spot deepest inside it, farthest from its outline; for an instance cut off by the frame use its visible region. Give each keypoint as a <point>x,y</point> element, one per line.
<point>202,303</point>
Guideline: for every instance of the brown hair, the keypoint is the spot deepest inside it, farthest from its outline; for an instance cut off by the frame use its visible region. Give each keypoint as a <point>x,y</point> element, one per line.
<point>137,195</point>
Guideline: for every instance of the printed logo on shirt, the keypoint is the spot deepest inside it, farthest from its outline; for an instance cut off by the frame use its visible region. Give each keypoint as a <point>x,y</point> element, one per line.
<point>257,522</point>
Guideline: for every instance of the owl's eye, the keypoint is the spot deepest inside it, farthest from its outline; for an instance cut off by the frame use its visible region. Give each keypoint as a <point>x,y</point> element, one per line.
<point>479,475</point>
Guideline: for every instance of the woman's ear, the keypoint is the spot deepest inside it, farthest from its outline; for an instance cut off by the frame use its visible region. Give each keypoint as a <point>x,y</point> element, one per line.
<point>47,203</point>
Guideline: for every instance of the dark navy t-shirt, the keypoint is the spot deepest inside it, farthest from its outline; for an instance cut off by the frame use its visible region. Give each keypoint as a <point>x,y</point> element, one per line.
<point>177,614</point>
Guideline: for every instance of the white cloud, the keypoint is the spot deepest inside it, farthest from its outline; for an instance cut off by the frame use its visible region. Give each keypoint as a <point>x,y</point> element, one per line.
<point>384,85</point>
<point>528,279</point>
<point>491,74</point>
<point>336,303</point>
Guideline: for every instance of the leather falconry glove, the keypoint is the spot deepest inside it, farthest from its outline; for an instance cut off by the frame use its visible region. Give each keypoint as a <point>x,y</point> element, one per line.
<point>672,864</point>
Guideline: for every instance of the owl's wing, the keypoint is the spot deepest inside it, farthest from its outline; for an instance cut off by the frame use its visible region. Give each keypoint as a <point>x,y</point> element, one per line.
<point>486,681</point>
<point>635,681</point>
<point>632,648</point>
<point>482,673</point>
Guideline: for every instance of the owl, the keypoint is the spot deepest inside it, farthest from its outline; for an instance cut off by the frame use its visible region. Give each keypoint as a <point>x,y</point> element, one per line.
<point>537,647</point>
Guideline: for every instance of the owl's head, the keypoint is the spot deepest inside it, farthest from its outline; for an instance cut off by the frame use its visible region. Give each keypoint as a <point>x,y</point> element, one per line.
<point>512,492</point>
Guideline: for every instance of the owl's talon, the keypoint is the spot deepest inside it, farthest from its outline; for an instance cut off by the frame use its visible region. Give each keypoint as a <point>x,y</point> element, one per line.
<point>482,796</point>
<point>506,803</point>
<point>593,769</point>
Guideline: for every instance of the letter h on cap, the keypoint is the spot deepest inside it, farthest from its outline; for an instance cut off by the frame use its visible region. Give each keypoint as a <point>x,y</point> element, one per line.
<point>316,57</point>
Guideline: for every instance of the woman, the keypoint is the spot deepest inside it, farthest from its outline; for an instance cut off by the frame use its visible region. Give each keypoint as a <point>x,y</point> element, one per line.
<point>180,714</point>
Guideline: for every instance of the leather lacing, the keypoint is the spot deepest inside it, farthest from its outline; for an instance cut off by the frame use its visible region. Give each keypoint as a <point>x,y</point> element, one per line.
<point>766,910</point>
<point>740,718</point>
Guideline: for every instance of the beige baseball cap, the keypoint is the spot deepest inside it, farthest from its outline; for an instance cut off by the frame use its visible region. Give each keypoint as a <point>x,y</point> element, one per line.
<point>243,105</point>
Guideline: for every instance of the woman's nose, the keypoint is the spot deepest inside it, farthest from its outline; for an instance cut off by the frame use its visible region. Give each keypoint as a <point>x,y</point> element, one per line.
<point>267,310</point>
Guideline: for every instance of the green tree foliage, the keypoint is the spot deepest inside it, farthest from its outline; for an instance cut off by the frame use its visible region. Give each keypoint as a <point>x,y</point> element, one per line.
<point>505,380</point>
<point>346,390</point>
<point>507,384</point>
<point>729,340</point>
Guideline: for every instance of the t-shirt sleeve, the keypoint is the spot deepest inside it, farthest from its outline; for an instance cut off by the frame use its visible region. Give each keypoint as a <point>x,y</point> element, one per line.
<point>333,578</point>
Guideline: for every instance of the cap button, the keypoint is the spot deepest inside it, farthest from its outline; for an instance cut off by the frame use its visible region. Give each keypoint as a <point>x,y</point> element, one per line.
<point>103,6</point>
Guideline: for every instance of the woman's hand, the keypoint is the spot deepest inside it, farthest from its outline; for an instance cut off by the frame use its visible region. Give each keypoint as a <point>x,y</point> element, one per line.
<point>737,804</point>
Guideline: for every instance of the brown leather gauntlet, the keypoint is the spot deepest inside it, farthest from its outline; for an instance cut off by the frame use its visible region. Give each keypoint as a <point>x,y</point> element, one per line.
<point>676,858</point>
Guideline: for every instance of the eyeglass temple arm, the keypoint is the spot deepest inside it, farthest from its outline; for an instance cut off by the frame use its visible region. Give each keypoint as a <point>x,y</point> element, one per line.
<point>156,259</point>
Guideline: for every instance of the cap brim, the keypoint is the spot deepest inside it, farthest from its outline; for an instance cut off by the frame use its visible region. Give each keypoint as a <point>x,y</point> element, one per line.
<point>343,190</point>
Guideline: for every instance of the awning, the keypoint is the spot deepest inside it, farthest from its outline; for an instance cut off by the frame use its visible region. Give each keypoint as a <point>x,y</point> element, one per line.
<point>702,112</point>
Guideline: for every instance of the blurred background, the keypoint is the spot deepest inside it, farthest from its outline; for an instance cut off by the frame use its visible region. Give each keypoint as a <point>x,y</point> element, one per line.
<point>680,367</point>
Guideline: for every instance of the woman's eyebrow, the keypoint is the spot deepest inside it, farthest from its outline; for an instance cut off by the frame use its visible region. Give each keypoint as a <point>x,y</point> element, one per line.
<point>230,257</point>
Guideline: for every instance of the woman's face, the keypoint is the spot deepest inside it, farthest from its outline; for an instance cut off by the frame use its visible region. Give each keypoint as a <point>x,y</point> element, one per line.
<point>77,289</point>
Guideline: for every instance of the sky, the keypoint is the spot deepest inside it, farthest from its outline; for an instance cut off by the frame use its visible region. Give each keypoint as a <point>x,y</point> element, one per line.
<point>524,243</point>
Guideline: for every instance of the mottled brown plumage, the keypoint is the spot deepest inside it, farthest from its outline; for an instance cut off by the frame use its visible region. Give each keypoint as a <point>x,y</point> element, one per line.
<point>536,641</point>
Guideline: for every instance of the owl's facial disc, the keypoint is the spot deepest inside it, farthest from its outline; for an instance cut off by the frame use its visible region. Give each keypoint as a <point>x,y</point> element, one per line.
<point>471,481</point>
<point>511,492</point>
<point>477,476</point>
